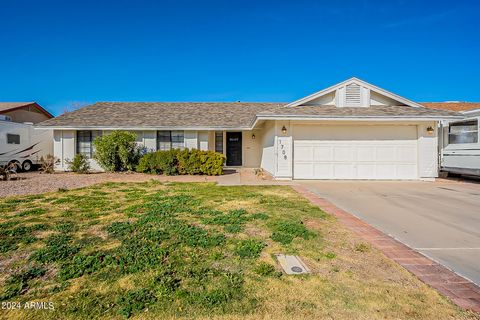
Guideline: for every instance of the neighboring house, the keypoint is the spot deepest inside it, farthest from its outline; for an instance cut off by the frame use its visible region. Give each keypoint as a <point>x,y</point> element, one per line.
<point>352,130</point>
<point>20,143</point>
<point>459,143</point>
<point>23,112</point>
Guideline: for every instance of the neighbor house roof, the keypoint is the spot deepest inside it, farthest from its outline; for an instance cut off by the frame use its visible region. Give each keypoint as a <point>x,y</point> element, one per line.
<point>11,106</point>
<point>453,106</point>
<point>234,115</point>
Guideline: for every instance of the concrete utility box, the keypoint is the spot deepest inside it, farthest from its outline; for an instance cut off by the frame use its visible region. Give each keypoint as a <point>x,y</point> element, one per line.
<point>292,264</point>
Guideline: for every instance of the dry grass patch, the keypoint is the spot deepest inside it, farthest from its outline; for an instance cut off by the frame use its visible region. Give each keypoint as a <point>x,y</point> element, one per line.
<point>196,250</point>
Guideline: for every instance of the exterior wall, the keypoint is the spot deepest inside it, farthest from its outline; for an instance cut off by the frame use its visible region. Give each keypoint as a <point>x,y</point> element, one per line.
<point>261,151</point>
<point>211,141</point>
<point>252,148</point>
<point>63,147</point>
<point>21,115</point>
<point>267,142</point>
<point>427,151</point>
<point>426,144</point>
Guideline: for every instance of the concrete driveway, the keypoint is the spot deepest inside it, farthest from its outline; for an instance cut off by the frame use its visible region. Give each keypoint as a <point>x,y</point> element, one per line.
<point>439,219</point>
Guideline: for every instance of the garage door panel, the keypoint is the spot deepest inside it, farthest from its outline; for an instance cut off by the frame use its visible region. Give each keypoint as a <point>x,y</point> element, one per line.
<point>366,153</point>
<point>374,156</point>
<point>322,153</point>
<point>406,154</point>
<point>365,170</point>
<point>304,153</point>
<point>385,154</point>
<point>385,171</point>
<point>323,170</point>
<point>409,171</point>
<point>343,170</point>
<point>304,170</point>
<point>342,153</point>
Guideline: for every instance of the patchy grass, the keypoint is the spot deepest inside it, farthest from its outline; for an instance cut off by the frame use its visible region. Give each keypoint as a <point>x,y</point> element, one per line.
<point>173,250</point>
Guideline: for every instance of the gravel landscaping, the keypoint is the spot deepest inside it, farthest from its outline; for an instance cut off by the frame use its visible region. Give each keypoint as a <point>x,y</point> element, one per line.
<point>36,182</point>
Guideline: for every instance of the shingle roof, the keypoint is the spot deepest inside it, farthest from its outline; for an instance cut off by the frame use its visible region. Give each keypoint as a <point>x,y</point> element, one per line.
<point>162,114</point>
<point>453,106</point>
<point>214,114</point>
<point>329,111</point>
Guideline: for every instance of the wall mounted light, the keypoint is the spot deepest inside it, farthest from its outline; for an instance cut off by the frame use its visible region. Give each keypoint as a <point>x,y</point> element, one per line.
<point>284,130</point>
<point>430,130</point>
<point>253,136</point>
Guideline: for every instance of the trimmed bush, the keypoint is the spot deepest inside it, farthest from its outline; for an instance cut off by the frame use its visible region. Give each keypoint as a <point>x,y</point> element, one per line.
<point>160,162</point>
<point>117,151</point>
<point>79,164</point>
<point>186,161</point>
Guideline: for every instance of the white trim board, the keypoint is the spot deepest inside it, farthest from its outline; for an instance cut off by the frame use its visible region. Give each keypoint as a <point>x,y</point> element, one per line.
<point>367,85</point>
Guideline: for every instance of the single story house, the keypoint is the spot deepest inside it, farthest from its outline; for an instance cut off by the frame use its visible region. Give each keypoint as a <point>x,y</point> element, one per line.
<point>351,130</point>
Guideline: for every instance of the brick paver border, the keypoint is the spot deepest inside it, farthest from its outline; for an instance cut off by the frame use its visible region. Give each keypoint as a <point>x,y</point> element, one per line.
<point>461,291</point>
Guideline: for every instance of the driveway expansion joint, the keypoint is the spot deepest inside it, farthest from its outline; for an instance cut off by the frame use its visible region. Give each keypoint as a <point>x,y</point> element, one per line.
<point>459,290</point>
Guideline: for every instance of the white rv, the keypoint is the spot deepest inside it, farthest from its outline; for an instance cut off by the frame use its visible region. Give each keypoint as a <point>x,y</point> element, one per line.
<point>22,144</point>
<point>460,143</point>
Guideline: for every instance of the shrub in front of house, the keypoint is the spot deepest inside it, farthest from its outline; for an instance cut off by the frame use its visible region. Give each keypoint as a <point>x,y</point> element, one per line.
<point>79,164</point>
<point>159,162</point>
<point>182,162</point>
<point>117,151</point>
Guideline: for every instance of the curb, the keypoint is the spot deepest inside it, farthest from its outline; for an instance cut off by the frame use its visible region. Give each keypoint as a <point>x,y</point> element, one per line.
<point>459,290</point>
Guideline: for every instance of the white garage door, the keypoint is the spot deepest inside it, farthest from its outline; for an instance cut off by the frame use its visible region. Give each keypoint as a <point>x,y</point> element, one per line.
<point>355,152</point>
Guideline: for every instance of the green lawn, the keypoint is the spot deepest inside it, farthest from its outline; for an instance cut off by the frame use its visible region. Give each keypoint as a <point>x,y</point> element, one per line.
<point>153,250</point>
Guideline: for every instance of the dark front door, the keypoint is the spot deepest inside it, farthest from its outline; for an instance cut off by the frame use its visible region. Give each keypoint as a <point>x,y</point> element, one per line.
<point>234,148</point>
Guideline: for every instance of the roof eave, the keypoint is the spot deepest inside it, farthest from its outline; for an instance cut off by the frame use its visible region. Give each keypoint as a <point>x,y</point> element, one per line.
<point>137,128</point>
<point>382,118</point>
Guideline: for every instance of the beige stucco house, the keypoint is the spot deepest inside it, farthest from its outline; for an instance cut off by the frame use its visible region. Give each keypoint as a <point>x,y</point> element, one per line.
<point>352,130</point>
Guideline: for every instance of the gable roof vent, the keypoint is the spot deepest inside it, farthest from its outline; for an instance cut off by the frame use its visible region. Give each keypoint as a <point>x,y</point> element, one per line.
<point>353,95</point>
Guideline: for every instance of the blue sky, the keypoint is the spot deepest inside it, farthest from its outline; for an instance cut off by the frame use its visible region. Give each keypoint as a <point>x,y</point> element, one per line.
<point>63,54</point>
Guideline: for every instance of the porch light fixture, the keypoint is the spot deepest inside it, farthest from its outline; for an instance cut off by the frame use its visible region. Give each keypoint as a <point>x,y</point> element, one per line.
<point>430,130</point>
<point>253,136</point>
<point>284,130</point>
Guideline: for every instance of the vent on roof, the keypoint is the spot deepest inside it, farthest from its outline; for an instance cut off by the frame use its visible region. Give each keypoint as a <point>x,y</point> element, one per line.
<point>353,95</point>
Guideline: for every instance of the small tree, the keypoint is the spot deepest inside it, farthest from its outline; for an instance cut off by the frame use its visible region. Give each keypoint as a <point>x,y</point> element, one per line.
<point>79,164</point>
<point>117,151</point>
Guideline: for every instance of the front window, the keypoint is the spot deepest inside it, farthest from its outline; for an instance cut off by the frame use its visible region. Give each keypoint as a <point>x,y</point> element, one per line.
<point>167,140</point>
<point>85,142</point>
<point>13,138</point>
<point>463,132</point>
<point>219,141</point>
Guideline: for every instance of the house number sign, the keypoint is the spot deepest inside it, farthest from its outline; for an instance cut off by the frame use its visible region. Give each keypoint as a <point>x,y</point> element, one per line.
<point>283,156</point>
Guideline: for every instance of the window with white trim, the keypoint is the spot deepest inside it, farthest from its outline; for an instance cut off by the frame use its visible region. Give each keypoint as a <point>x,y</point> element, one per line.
<point>219,141</point>
<point>85,142</point>
<point>167,140</point>
<point>463,132</point>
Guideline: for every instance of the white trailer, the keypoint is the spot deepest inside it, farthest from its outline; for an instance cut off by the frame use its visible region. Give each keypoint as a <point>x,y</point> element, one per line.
<point>460,142</point>
<point>22,144</point>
